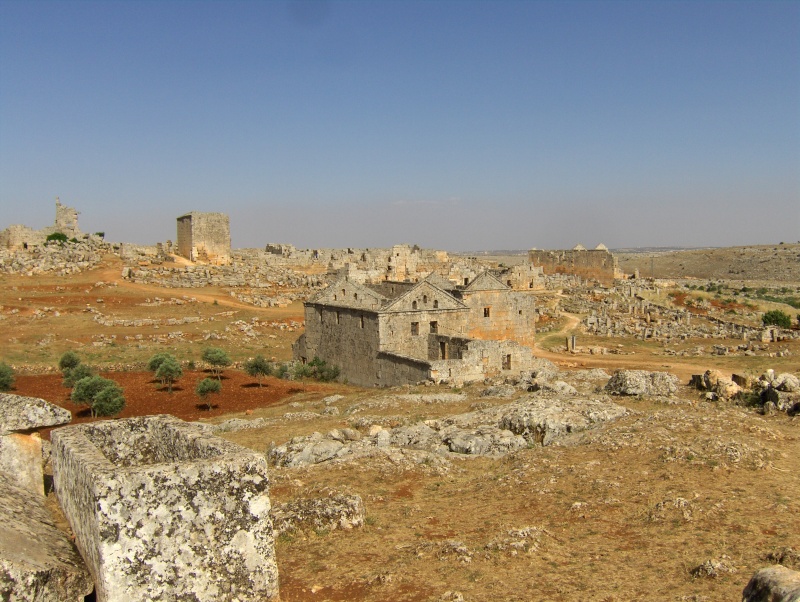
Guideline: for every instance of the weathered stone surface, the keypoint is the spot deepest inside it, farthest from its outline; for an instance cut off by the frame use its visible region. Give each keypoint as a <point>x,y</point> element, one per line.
<point>641,382</point>
<point>163,510</point>
<point>559,388</point>
<point>486,440</point>
<point>542,421</point>
<point>21,461</point>
<point>336,511</point>
<point>773,584</point>
<point>18,413</point>
<point>37,561</point>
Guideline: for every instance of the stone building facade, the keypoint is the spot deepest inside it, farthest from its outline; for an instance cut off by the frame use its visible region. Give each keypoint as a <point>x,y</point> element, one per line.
<point>596,264</point>
<point>398,332</point>
<point>205,237</point>
<point>18,236</point>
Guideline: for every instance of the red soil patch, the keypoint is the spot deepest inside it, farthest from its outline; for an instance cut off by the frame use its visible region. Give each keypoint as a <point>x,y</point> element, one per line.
<point>144,396</point>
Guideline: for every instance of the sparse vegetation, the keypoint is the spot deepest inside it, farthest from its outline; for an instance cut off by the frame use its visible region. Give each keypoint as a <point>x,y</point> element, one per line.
<point>56,237</point>
<point>68,361</point>
<point>776,317</point>
<point>79,372</point>
<point>316,368</point>
<point>6,377</point>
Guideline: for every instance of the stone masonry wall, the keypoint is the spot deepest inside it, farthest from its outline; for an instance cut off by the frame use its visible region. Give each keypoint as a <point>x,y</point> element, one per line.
<point>204,237</point>
<point>595,264</point>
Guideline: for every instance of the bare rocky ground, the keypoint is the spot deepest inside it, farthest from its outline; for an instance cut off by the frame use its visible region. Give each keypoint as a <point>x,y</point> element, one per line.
<point>660,496</point>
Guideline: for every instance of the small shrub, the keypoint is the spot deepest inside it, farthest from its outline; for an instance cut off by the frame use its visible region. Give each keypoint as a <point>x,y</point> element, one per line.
<point>776,317</point>
<point>6,377</point>
<point>68,361</point>
<point>56,237</point>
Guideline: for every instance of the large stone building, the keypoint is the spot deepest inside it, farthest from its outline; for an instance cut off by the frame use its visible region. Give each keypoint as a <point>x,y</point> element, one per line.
<point>205,237</point>
<point>596,264</point>
<point>396,333</point>
<point>18,236</point>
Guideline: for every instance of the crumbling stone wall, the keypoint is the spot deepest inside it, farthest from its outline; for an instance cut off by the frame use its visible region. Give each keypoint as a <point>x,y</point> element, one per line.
<point>596,264</point>
<point>205,237</point>
<point>22,237</point>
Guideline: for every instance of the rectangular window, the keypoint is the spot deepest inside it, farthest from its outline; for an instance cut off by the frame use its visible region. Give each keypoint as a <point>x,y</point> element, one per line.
<point>507,362</point>
<point>414,328</point>
<point>486,312</point>
<point>362,321</point>
<point>338,318</point>
<point>434,327</point>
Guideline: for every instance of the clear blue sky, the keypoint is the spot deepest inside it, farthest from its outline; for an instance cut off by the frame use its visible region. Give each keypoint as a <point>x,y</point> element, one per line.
<point>454,125</point>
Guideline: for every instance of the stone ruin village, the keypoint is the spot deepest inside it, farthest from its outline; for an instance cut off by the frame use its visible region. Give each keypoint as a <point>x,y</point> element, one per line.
<point>574,424</point>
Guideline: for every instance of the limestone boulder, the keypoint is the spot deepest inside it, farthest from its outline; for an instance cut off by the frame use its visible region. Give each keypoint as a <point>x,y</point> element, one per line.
<point>773,584</point>
<point>37,561</point>
<point>335,511</point>
<point>486,440</point>
<point>786,382</point>
<point>543,421</point>
<point>19,413</point>
<point>641,382</point>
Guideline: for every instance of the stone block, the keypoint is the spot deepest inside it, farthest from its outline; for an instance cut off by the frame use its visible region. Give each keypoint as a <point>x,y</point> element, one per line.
<point>18,413</point>
<point>162,510</point>
<point>37,561</point>
<point>21,461</point>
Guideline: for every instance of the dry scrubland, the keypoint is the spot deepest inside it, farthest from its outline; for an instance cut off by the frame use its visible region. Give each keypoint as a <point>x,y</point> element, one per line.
<point>624,511</point>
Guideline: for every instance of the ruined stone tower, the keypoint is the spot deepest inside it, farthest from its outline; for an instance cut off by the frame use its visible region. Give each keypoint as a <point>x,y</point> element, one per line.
<point>205,237</point>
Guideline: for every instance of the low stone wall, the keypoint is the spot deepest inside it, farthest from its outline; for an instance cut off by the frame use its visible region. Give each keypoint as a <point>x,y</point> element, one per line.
<point>162,510</point>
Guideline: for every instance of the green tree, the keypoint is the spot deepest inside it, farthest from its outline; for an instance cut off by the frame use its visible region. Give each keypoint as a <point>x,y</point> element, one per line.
<point>100,394</point>
<point>108,401</point>
<point>57,237</point>
<point>154,362</point>
<point>169,371</point>
<point>79,372</point>
<point>259,368</point>
<point>776,317</point>
<point>218,359</point>
<point>206,387</point>
<point>6,377</point>
<point>68,361</point>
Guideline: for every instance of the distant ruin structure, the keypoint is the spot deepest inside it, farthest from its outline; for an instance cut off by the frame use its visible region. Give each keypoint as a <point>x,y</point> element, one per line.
<point>396,333</point>
<point>204,237</point>
<point>596,264</point>
<point>18,236</point>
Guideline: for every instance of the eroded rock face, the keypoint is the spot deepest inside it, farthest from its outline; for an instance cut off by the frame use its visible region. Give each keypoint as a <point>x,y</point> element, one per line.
<point>641,382</point>
<point>163,510</point>
<point>18,413</point>
<point>773,584</point>
<point>543,421</point>
<point>37,561</point>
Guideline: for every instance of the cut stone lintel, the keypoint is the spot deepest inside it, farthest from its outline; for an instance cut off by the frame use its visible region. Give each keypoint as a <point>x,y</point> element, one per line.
<point>162,510</point>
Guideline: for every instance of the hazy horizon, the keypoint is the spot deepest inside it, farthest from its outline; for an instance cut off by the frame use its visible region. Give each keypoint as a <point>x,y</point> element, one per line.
<point>451,125</point>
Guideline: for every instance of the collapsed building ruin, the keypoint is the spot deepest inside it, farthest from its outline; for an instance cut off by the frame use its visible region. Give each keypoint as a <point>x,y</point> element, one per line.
<point>395,333</point>
<point>595,264</point>
<point>205,237</point>
<point>18,236</point>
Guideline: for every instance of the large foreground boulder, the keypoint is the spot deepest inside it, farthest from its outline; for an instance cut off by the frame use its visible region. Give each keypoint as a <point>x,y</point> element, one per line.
<point>37,561</point>
<point>773,584</point>
<point>162,510</point>
<point>641,382</point>
<point>22,414</point>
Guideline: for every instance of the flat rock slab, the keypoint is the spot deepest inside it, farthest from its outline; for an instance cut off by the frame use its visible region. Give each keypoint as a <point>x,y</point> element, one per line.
<point>18,413</point>
<point>37,561</point>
